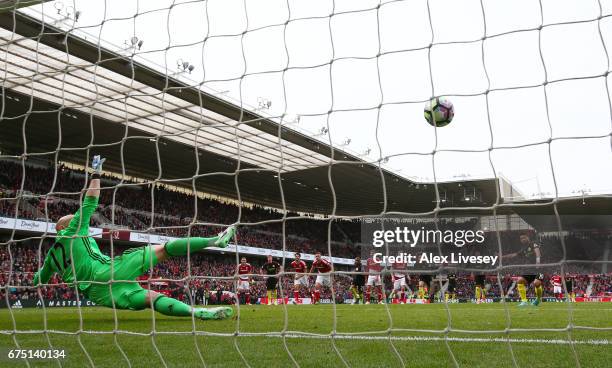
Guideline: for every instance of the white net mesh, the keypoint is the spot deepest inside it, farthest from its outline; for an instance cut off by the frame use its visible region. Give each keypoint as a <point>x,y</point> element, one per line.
<point>207,110</point>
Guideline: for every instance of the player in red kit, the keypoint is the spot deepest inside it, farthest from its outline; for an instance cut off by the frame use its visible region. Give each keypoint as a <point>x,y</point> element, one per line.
<point>373,268</point>
<point>301,281</point>
<point>323,267</point>
<point>244,281</point>
<point>557,287</point>
<point>399,281</point>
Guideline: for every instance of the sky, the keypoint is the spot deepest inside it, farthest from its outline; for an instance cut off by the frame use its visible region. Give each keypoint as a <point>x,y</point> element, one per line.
<point>365,72</point>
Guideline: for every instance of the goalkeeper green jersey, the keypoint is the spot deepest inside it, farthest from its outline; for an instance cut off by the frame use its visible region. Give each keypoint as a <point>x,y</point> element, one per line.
<point>74,247</point>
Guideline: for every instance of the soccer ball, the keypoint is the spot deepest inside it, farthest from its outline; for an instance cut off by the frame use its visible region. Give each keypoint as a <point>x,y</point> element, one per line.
<point>439,111</point>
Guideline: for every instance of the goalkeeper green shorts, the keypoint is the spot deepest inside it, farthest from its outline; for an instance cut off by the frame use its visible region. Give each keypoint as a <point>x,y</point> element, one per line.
<point>126,267</point>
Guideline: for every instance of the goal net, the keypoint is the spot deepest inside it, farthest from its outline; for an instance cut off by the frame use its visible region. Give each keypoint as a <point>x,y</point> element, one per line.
<point>301,123</point>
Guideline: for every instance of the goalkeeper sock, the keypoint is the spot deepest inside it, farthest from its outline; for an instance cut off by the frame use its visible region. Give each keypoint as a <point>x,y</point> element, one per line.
<point>274,295</point>
<point>478,293</point>
<point>180,247</point>
<point>171,307</point>
<point>421,292</point>
<point>522,292</point>
<point>539,291</point>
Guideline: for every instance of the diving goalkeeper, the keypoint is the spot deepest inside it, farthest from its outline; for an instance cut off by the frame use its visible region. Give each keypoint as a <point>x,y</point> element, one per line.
<point>75,256</point>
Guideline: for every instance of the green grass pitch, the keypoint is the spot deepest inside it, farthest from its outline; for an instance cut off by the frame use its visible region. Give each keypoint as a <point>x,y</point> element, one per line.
<point>371,347</point>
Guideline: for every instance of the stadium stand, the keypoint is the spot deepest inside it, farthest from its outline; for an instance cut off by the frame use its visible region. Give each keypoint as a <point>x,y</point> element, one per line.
<point>209,267</point>
<point>44,201</point>
<point>173,211</point>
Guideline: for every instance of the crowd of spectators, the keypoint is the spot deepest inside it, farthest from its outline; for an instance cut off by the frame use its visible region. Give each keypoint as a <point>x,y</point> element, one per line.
<point>202,273</point>
<point>161,210</point>
<point>206,277</point>
<point>49,192</point>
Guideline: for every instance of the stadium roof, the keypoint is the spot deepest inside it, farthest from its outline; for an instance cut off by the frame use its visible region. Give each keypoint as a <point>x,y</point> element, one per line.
<point>65,92</point>
<point>157,107</point>
<point>575,213</point>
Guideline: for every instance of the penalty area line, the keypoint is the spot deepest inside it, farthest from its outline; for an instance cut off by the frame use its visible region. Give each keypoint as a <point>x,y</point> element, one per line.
<point>451,339</point>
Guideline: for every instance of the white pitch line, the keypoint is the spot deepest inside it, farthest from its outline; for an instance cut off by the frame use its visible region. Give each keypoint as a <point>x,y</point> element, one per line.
<point>451,339</point>
<point>510,307</point>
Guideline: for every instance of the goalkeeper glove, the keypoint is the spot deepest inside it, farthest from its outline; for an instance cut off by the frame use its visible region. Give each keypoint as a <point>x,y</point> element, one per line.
<point>96,164</point>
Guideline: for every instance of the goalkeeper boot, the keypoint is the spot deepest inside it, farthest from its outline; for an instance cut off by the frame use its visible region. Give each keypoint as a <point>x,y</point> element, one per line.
<point>536,302</point>
<point>214,313</point>
<point>523,304</point>
<point>225,237</point>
